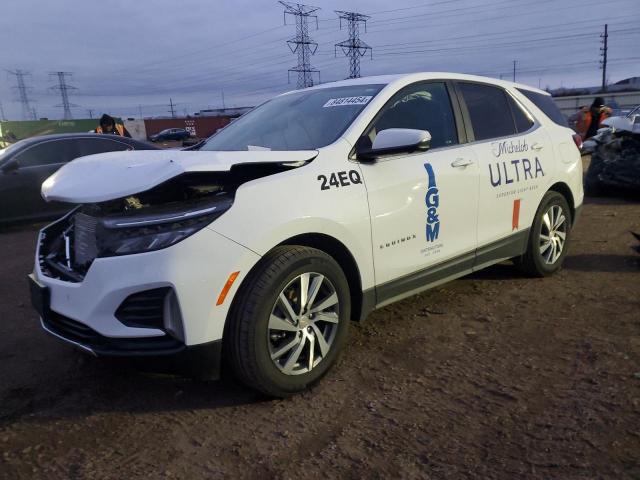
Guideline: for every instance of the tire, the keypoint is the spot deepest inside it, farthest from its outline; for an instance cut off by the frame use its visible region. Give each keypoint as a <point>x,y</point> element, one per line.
<point>542,263</point>
<point>261,349</point>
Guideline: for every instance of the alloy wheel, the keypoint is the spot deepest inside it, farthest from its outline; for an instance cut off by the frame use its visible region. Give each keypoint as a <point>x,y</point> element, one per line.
<point>303,323</point>
<point>553,234</point>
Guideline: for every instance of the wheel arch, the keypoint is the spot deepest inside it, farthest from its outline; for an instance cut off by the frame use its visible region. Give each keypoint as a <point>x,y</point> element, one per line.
<point>564,190</point>
<point>341,254</point>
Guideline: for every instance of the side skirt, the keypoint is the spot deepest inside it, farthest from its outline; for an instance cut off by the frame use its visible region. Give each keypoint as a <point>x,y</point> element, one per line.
<point>389,292</point>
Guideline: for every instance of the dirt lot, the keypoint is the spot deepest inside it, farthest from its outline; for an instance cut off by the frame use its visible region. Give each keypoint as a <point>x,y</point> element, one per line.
<point>492,376</point>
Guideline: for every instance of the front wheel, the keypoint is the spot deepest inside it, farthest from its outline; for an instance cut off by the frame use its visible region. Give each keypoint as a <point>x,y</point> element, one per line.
<point>289,321</point>
<point>549,236</point>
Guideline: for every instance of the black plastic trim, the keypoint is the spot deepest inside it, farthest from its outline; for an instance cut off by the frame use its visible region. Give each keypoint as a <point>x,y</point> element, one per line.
<point>423,279</point>
<point>85,337</point>
<point>368,304</point>
<point>512,246</point>
<point>509,247</point>
<point>144,309</point>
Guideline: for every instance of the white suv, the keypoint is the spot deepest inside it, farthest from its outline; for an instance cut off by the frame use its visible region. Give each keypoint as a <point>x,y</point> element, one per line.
<point>312,210</point>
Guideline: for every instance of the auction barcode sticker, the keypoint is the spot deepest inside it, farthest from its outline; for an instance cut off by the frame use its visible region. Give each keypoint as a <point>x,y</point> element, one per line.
<point>335,102</point>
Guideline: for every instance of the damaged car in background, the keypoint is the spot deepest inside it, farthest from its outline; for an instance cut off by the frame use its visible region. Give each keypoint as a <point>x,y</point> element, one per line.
<point>615,157</point>
<point>310,211</point>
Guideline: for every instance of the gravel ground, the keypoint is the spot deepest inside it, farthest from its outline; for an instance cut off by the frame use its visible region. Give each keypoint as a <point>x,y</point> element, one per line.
<point>492,376</point>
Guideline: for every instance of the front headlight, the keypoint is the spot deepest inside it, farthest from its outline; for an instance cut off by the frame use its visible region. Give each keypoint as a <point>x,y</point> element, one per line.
<point>145,233</point>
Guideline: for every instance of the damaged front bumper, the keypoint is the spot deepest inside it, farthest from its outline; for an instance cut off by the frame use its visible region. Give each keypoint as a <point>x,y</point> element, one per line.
<point>154,303</point>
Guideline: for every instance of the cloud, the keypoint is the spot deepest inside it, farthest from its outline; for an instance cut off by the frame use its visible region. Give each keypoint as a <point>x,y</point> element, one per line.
<point>124,54</point>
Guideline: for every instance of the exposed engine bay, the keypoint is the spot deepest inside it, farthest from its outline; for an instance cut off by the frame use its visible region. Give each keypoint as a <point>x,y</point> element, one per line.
<point>150,220</point>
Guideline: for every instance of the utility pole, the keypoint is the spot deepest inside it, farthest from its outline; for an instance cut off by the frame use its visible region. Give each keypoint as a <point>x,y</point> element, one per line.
<point>354,48</point>
<point>90,112</point>
<point>140,110</point>
<point>302,44</point>
<point>172,108</point>
<point>514,70</point>
<point>64,88</point>
<point>28,113</point>
<point>223,105</point>
<point>2,115</point>
<point>603,63</point>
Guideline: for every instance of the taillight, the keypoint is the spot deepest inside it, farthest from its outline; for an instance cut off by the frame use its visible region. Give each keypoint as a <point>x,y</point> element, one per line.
<point>577,139</point>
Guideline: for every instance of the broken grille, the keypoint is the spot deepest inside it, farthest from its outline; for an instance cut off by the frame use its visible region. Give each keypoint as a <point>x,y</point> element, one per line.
<point>85,248</point>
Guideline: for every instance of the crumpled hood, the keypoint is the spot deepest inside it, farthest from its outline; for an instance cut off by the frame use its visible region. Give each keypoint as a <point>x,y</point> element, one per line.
<point>107,176</point>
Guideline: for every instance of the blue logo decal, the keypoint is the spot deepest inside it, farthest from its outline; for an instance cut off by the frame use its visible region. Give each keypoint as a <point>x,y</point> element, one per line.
<point>432,200</point>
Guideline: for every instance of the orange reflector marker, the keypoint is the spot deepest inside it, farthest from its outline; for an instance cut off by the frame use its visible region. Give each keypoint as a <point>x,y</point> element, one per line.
<point>227,287</point>
<point>515,219</point>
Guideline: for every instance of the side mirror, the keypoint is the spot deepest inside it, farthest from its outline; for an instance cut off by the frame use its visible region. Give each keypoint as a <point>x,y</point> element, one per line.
<point>10,166</point>
<point>394,141</point>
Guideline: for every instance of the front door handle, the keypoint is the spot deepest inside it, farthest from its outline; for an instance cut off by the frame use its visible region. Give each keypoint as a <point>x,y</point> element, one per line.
<point>537,147</point>
<point>461,162</point>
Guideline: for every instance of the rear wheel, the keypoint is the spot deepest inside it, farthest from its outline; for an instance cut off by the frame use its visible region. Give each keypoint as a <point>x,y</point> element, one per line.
<point>289,322</point>
<point>549,236</point>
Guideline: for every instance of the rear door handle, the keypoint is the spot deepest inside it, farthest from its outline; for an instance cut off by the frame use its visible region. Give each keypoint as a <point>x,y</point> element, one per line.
<point>461,162</point>
<point>537,147</point>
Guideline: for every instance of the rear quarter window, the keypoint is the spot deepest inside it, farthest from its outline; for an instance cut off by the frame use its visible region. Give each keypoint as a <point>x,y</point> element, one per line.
<point>547,105</point>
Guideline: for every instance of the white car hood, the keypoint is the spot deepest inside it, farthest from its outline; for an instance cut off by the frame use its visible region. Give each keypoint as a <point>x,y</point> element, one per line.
<point>107,176</point>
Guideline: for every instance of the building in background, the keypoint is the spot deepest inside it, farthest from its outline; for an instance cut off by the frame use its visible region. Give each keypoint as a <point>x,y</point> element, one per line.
<point>12,131</point>
<point>621,96</point>
<point>202,124</point>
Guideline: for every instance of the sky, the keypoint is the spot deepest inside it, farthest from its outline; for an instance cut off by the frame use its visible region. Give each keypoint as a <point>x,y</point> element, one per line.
<point>130,56</point>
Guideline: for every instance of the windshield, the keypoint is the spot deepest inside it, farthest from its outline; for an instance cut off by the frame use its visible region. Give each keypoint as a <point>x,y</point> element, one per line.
<point>303,120</point>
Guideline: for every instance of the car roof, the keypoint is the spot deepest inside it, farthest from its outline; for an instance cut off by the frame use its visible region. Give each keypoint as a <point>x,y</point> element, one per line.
<point>406,78</point>
<point>27,142</point>
<point>59,136</point>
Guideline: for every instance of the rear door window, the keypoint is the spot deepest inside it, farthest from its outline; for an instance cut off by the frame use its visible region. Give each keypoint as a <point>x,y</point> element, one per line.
<point>523,120</point>
<point>547,105</point>
<point>489,110</point>
<point>91,146</point>
<point>48,153</point>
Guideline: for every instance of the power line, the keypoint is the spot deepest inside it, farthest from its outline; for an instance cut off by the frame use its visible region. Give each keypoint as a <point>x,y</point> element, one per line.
<point>354,48</point>
<point>64,88</point>
<point>28,113</point>
<point>202,63</point>
<point>509,33</point>
<point>575,66</point>
<point>603,62</point>
<point>501,16</point>
<point>237,76</point>
<point>302,44</point>
<point>484,45</point>
<point>172,61</point>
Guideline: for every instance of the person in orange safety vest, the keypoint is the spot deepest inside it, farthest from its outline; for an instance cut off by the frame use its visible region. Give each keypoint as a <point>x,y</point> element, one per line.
<point>109,126</point>
<point>591,119</point>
